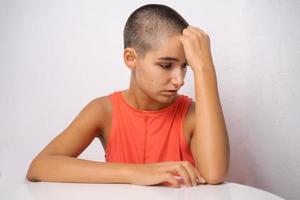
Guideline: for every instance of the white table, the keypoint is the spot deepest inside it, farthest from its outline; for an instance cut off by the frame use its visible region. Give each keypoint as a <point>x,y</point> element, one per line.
<point>74,191</point>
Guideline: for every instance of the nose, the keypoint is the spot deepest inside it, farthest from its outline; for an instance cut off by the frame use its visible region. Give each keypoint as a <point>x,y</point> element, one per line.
<point>177,79</point>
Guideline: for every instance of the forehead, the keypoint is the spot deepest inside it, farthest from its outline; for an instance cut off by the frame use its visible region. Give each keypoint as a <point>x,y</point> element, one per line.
<point>170,47</point>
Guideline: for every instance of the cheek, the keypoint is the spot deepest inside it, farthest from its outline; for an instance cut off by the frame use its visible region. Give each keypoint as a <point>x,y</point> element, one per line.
<point>144,77</point>
<point>154,82</point>
<point>151,77</point>
<point>147,75</point>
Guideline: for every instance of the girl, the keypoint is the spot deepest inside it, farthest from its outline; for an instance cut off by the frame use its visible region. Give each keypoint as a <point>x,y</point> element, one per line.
<point>150,133</point>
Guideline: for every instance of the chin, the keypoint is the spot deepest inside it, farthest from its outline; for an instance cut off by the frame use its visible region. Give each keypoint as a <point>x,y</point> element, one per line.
<point>167,99</point>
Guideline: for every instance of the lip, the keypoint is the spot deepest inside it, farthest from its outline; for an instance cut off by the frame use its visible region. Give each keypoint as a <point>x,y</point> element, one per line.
<point>170,92</point>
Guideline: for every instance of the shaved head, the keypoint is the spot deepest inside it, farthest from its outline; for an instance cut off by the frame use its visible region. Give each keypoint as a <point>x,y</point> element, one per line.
<point>148,26</point>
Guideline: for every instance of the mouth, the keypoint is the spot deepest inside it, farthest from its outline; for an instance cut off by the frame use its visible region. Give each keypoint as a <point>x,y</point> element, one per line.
<point>170,92</point>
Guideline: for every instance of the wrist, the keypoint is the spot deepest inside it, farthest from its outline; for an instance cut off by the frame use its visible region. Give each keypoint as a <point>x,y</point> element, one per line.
<point>204,74</point>
<point>204,68</point>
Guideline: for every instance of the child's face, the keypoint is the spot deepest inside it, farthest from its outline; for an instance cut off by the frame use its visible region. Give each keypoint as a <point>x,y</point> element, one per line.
<point>155,74</point>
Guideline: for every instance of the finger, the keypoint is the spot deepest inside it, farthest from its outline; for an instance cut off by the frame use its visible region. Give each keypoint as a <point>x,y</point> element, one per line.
<point>172,180</point>
<point>187,31</point>
<point>181,39</point>
<point>191,35</point>
<point>198,32</point>
<point>184,174</point>
<point>176,167</point>
<point>191,171</point>
<point>196,29</point>
<point>185,41</point>
<point>192,29</point>
<point>200,178</point>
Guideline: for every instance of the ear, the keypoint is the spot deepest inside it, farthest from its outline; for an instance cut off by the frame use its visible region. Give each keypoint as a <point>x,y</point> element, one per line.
<point>130,58</point>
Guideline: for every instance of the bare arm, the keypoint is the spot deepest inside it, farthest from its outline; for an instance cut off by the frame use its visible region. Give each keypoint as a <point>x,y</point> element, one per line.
<point>67,169</point>
<point>56,168</point>
<point>209,144</point>
<point>57,162</point>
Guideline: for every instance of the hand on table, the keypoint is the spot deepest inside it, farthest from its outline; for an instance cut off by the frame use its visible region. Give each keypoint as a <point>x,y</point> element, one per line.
<point>165,172</point>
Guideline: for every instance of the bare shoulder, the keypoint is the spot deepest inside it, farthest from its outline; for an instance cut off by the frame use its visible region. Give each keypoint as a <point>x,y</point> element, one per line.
<point>96,112</point>
<point>104,107</point>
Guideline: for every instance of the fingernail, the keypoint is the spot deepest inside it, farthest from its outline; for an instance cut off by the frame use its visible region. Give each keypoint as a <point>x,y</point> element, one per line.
<point>201,180</point>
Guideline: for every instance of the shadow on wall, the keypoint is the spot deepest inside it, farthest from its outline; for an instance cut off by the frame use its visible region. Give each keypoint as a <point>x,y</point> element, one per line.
<point>237,121</point>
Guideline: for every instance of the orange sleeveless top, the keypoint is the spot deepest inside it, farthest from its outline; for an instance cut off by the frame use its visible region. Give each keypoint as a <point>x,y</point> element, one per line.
<point>147,136</point>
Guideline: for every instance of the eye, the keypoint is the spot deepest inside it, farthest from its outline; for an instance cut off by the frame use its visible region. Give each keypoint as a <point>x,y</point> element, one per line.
<point>184,65</point>
<point>166,66</point>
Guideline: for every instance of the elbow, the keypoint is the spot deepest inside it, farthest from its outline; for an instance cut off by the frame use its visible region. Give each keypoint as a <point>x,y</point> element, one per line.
<point>31,174</point>
<point>216,179</point>
<point>31,177</point>
<point>214,176</point>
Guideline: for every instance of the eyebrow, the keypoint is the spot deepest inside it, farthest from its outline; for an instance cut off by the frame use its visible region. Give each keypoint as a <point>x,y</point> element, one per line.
<point>170,59</point>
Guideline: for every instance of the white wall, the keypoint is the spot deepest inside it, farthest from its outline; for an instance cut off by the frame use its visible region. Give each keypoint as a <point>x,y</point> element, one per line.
<point>56,56</point>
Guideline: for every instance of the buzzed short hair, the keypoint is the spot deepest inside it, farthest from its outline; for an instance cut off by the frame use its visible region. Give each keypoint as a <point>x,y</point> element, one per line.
<point>146,26</point>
